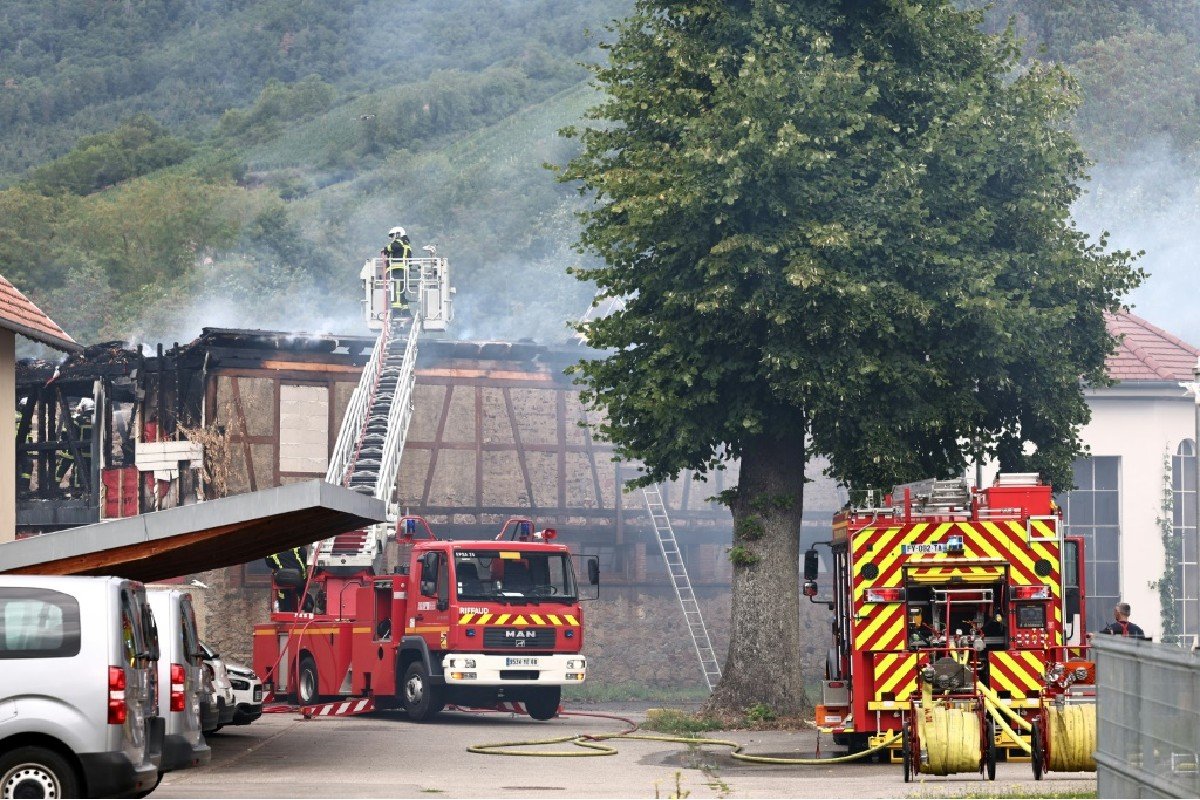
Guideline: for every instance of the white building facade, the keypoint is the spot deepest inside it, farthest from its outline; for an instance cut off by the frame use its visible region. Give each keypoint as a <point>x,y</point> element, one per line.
<point>1135,497</point>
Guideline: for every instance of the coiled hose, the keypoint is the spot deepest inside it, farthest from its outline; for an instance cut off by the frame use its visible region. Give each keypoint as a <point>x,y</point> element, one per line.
<point>590,745</point>
<point>950,740</point>
<point>1072,738</point>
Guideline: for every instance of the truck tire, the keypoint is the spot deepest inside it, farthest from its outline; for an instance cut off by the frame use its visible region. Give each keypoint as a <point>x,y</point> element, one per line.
<point>37,772</point>
<point>543,703</point>
<point>308,685</point>
<point>422,700</point>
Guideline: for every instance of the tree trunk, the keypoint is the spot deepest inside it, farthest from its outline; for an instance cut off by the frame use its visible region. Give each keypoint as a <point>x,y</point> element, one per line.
<point>764,664</point>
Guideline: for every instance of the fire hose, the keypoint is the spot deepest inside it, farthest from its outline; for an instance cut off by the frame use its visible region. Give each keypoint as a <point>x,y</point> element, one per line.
<point>590,745</point>
<point>950,739</point>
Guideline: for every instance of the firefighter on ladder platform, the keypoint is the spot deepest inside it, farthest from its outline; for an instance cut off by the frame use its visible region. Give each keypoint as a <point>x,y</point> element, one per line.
<point>397,252</point>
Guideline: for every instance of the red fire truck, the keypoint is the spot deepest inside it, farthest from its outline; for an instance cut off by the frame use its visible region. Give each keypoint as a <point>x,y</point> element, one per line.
<point>472,623</point>
<point>938,569</point>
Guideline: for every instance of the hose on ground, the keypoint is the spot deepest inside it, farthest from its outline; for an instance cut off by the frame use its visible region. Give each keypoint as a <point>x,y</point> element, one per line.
<point>589,745</point>
<point>995,702</point>
<point>950,739</point>
<point>1072,738</point>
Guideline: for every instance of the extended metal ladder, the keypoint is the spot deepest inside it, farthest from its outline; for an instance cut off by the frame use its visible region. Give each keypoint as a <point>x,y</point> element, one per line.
<point>664,534</point>
<point>366,456</point>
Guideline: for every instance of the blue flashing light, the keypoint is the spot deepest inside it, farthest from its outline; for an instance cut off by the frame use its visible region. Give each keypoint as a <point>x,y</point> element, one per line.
<point>470,631</point>
<point>570,634</point>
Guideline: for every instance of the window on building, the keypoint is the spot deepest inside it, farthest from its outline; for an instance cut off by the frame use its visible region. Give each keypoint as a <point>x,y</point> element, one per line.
<point>1093,512</point>
<point>1187,571</point>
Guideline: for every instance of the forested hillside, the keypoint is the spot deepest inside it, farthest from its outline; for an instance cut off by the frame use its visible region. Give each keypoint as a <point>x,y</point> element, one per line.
<point>168,164</point>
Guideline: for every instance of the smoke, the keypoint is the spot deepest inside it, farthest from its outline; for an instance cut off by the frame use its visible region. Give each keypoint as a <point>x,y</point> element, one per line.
<point>1151,201</point>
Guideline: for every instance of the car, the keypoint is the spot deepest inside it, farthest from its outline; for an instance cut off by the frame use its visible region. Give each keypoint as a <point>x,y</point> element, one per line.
<point>247,692</point>
<point>225,701</point>
<point>77,702</point>
<point>181,680</point>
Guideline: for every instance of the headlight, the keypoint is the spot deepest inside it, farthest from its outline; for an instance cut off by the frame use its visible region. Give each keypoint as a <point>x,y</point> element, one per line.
<point>469,663</point>
<point>578,663</point>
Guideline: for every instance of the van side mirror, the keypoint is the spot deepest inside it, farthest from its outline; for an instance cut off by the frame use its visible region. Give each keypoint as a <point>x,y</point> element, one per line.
<point>812,563</point>
<point>593,570</point>
<point>810,589</point>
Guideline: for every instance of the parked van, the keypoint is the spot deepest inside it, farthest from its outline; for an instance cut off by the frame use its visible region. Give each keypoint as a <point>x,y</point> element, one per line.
<point>181,678</point>
<point>76,688</point>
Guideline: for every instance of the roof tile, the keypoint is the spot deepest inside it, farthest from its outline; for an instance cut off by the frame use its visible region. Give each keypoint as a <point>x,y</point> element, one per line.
<point>18,313</point>
<point>1147,352</point>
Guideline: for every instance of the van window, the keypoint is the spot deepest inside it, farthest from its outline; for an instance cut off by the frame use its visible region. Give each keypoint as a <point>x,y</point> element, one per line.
<point>38,623</point>
<point>187,624</point>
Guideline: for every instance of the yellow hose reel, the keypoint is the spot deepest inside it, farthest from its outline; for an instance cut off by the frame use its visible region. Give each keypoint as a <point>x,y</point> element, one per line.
<point>1064,739</point>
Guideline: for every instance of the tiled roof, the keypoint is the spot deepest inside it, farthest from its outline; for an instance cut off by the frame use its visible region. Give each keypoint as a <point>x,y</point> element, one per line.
<point>18,313</point>
<point>1148,353</point>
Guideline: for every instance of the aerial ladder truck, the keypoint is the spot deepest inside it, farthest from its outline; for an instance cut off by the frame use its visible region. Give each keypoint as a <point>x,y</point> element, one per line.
<point>393,617</point>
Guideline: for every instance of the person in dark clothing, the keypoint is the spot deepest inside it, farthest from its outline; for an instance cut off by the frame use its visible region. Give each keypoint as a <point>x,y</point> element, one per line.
<point>288,597</point>
<point>1122,626</point>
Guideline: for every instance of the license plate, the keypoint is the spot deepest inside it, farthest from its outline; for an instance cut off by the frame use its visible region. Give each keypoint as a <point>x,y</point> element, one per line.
<point>516,661</point>
<point>257,694</point>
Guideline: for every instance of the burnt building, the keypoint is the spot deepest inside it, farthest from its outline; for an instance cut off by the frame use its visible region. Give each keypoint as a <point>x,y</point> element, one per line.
<point>497,431</point>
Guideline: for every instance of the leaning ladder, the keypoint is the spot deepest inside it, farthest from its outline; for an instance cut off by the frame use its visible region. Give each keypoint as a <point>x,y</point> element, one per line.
<point>664,534</point>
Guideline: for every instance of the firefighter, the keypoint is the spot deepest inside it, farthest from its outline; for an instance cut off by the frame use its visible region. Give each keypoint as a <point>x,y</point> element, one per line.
<point>1122,626</point>
<point>24,463</point>
<point>84,417</point>
<point>397,252</point>
<point>287,598</point>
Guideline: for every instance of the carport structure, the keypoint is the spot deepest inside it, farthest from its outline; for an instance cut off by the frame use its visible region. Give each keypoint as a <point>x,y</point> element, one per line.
<point>194,538</point>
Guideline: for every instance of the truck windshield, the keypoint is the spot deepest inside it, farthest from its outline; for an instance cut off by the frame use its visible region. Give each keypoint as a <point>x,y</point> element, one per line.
<point>513,575</point>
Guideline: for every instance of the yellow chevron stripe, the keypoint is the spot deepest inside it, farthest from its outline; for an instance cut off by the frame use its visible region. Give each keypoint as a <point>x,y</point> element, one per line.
<point>537,620</point>
<point>892,630</point>
<point>483,618</point>
<point>520,620</point>
<point>1042,530</point>
<point>571,620</point>
<point>886,561</point>
<point>553,619</point>
<point>903,680</point>
<point>465,619</point>
<point>503,618</point>
<point>883,614</point>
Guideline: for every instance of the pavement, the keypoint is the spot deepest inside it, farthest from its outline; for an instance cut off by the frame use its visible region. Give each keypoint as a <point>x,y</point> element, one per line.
<point>384,755</point>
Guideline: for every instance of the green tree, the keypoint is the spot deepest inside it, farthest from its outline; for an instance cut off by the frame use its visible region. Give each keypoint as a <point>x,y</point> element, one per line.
<point>843,230</point>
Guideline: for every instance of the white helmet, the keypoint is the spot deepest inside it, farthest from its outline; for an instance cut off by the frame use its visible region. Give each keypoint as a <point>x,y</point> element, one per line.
<point>396,231</point>
<point>86,405</point>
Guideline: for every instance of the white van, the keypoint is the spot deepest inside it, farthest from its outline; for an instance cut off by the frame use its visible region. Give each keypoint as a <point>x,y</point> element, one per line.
<point>180,678</point>
<point>76,688</point>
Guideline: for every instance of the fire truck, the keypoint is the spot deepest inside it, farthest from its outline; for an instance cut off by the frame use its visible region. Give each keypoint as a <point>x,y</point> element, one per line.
<point>469,623</point>
<point>392,615</point>
<point>973,592</point>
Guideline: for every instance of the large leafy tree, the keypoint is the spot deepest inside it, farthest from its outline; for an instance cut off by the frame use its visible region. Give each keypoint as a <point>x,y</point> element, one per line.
<point>842,229</point>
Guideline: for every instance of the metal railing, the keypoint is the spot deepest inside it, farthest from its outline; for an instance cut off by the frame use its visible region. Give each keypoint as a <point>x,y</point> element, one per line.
<point>1148,718</point>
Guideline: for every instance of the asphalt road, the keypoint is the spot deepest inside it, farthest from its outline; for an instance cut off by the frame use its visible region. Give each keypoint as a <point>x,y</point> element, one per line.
<point>382,755</point>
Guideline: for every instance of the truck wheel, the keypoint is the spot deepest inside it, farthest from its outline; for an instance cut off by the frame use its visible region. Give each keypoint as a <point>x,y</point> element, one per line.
<point>37,772</point>
<point>307,682</point>
<point>422,700</point>
<point>543,703</point>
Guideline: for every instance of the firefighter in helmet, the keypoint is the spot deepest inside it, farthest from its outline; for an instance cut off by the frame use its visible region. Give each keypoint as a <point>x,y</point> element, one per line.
<point>397,252</point>
<point>295,562</point>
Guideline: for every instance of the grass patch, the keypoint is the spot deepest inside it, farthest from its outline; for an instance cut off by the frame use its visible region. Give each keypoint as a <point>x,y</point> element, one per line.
<point>674,722</point>
<point>1010,792</point>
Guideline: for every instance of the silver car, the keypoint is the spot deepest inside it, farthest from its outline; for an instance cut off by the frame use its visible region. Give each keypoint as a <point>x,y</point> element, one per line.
<point>77,699</point>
